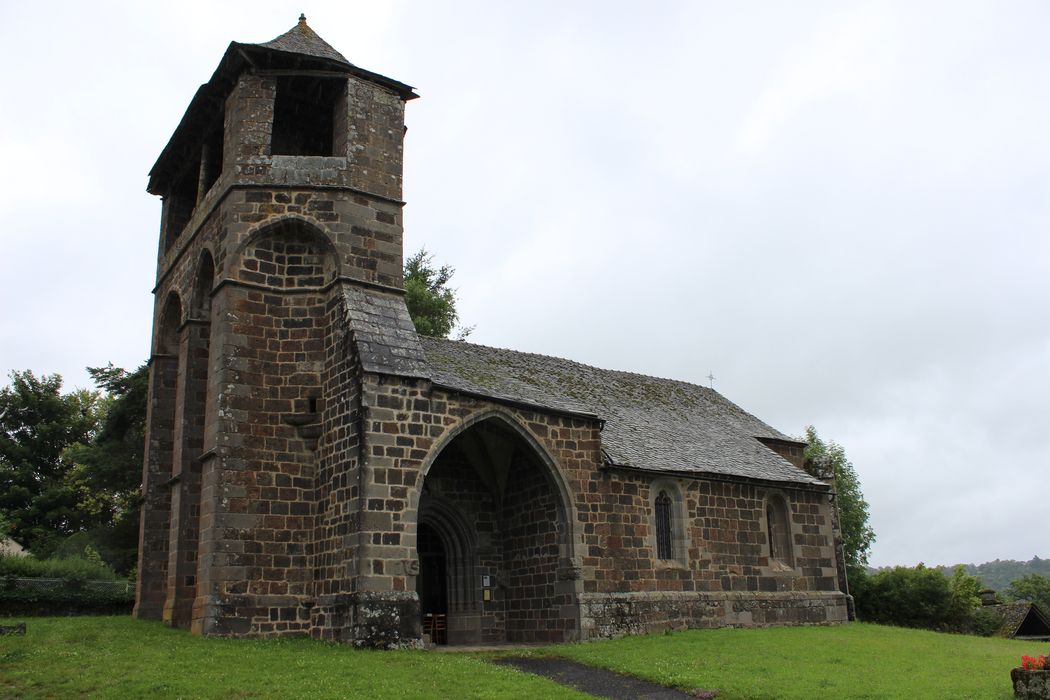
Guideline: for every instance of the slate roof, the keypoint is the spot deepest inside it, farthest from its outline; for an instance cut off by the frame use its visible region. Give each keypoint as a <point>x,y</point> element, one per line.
<point>301,39</point>
<point>383,333</point>
<point>1015,615</point>
<point>652,424</point>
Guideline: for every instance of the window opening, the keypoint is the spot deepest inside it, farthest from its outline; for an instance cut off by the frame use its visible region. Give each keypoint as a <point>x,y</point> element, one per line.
<point>774,542</point>
<point>181,201</point>
<point>211,161</point>
<point>778,531</point>
<point>304,115</point>
<point>663,526</point>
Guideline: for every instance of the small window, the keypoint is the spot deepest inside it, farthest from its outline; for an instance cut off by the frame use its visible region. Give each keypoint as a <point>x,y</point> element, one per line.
<point>664,546</point>
<point>778,530</point>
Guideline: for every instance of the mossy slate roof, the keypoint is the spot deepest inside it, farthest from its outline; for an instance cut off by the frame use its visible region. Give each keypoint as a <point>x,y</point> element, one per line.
<point>652,424</point>
<point>1021,619</point>
<point>383,333</point>
<point>301,39</point>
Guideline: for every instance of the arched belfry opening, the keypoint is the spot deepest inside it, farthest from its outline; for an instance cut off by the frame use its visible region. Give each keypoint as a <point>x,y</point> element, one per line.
<point>493,540</point>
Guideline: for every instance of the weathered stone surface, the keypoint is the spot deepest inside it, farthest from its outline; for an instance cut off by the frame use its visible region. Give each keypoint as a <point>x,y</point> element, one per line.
<point>1031,685</point>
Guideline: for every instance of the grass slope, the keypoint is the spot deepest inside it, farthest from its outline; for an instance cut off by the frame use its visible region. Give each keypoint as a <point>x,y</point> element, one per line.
<point>119,657</point>
<point>845,661</point>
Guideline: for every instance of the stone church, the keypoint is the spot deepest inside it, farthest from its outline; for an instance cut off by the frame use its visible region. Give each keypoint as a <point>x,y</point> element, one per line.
<point>314,467</point>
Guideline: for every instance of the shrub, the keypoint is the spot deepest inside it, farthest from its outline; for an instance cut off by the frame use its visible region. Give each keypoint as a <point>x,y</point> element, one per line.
<point>986,623</point>
<point>64,600</point>
<point>918,597</point>
<point>75,596</point>
<point>70,569</point>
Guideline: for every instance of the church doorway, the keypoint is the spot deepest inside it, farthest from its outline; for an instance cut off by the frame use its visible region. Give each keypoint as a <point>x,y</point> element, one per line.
<point>493,539</point>
<point>431,584</point>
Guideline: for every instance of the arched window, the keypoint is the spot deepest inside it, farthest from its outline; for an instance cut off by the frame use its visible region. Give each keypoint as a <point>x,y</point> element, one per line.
<point>664,546</point>
<point>202,286</point>
<point>778,530</point>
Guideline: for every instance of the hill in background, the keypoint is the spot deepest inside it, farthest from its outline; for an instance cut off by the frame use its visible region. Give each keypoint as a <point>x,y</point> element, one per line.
<point>1000,573</point>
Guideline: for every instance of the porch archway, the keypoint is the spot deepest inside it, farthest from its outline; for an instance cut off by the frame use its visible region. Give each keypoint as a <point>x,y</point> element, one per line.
<point>497,503</point>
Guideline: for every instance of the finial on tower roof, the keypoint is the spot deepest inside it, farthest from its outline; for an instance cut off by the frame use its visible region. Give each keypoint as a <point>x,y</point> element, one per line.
<point>302,18</point>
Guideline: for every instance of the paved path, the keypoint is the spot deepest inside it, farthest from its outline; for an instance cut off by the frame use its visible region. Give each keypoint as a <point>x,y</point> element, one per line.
<point>595,681</point>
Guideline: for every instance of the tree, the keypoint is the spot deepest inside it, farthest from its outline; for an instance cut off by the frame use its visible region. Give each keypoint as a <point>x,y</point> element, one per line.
<point>857,535</point>
<point>964,598</point>
<point>1031,587</point>
<point>431,303</point>
<point>107,470</point>
<point>37,423</point>
<point>920,597</point>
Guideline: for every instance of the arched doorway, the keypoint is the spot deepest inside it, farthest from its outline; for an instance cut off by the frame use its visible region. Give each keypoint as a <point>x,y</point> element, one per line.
<point>432,583</point>
<point>493,514</point>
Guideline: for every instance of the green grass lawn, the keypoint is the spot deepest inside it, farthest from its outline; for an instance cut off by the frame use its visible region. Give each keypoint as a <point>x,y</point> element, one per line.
<point>121,657</point>
<point>845,661</point>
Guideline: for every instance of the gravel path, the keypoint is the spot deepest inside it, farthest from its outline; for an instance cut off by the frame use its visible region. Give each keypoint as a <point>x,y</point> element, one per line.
<point>595,681</point>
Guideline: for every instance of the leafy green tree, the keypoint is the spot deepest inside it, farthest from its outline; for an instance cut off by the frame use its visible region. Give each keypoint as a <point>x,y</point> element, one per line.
<point>857,535</point>
<point>963,600</point>
<point>37,423</point>
<point>1031,587</point>
<point>920,597</point>
<point>907,597</point>
<point>107,470</point>
<point>431,302</point>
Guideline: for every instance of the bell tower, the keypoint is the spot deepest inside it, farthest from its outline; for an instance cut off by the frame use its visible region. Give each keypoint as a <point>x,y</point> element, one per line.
<point>279,279</point>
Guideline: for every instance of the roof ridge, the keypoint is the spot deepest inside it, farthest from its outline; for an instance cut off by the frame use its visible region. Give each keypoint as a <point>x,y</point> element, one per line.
<point>628,373</point>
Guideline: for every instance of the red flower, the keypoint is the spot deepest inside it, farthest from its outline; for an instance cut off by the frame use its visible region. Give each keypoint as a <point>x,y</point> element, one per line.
<point>1032,663</point>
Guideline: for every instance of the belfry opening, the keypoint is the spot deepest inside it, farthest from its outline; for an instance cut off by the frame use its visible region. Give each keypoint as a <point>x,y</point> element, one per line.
<point>493,540</point>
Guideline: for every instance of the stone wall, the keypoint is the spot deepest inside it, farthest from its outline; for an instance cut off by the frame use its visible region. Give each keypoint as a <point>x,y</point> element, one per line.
<point>619,614</point>
<point>608,551</point>
<point>529,524</point>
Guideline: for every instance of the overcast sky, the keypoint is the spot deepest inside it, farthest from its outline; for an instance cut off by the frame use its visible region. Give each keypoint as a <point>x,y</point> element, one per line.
<point>840,209</point>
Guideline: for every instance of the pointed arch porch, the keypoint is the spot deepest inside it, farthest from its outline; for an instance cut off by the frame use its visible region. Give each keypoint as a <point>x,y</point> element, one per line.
<point>502,508</point>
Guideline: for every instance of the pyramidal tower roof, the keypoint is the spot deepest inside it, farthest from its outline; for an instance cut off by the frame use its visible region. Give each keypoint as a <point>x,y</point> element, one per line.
<point>302,39</point>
